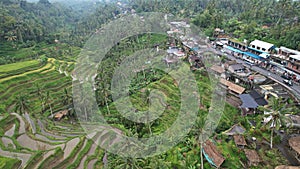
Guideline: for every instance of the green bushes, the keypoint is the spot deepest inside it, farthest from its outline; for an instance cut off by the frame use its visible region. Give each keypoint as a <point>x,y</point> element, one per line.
<point>6,163</point>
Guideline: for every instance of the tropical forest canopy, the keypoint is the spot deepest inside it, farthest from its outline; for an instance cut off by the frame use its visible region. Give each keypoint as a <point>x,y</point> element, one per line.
<point>43,23</point>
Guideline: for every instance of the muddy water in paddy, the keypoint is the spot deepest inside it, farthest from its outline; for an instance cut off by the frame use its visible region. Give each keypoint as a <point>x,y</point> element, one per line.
<point>11,131</point>
<point>8,142</point>
<point>25,141</point>
<point>70,146</point>
<point>90,152</point>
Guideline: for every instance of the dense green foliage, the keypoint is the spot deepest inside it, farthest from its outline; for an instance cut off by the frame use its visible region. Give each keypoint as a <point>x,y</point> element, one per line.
<point>24,25</point>
<point>272,21</point>
<point>9,163</point>
<point>45,38</point>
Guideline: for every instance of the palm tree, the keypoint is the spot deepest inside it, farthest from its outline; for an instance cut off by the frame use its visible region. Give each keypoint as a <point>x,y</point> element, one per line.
<point>198,130</point>
<point>123,162</point>
<point>277,109</point>
<point>10,36</point>
<point>200,124</point>
<point>22,104</point>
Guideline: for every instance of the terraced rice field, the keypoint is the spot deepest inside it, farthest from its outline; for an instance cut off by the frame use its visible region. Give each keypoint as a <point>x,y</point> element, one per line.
<point>33,140</point>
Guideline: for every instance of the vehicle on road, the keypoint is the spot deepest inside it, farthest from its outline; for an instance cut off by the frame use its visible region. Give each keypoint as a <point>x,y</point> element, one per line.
<point>285,77</point>
<point>288,82</point>
<point>249,63</point>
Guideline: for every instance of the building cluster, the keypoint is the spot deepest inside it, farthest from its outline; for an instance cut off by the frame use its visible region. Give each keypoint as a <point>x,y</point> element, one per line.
<point>246,89</point>
<point>281,60</point>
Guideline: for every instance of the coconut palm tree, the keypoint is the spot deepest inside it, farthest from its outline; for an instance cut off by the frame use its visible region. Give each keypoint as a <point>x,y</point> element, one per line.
<point>10,36</point>
<point>22,104</point>
<point>277,109</point>
<point>198,131</point>
<point>128,163</point>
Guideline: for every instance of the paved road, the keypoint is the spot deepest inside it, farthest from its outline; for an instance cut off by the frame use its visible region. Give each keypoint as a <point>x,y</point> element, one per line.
<point>295,89</point>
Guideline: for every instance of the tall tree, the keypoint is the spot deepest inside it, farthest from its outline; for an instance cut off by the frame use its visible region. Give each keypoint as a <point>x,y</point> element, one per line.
<point>277,109</point>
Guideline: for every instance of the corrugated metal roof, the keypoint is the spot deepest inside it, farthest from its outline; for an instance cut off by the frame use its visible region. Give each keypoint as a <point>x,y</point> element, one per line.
<point>289,50</point>
<point>297,57</point>
<point>253,55</point>
<point>234,49</point>
<point>248,101</point>
<point>262,44</point>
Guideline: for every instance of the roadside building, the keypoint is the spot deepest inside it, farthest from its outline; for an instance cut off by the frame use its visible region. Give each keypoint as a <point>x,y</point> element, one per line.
<point>258,51</point>
<point>234,130</point>
<point>283,53</point>
<point>233,51</point>
<point>219,71</point>
<point>212,155</point>
<point>259,47</point>
<point>274,90</point>
<point>287,58</point>
<point>239,70</point>
<point>295,146</point>
<point>232,88</point>
<point>257,79</point>
<point>191,45</point>
<point>242,46</point>
<point>223,40</point>
<point>236,68</point>
<point>228,63</point>
<point>253,157</point>
<point>287,167</point>
<point>239,141</point>
<point>251,101</point>
<point>294,63</point>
